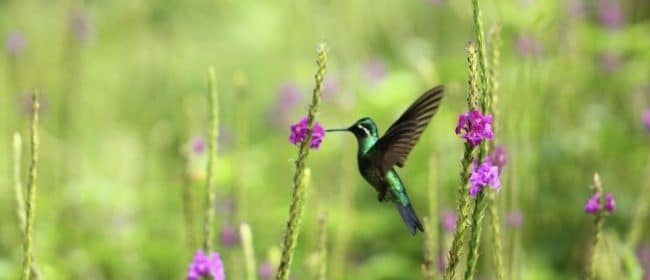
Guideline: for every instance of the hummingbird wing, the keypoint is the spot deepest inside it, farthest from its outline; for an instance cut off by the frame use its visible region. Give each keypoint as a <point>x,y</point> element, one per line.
<point>394,147</point>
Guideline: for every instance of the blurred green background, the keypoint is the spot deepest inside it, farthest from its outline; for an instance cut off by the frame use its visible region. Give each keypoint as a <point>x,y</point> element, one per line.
<point>125,105</point>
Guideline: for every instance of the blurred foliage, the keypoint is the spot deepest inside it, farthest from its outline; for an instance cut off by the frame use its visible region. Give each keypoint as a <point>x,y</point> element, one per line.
<point>124,91</point>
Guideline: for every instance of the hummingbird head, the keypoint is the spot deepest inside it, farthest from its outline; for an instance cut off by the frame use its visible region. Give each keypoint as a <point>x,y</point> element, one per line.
<point>363,128</point>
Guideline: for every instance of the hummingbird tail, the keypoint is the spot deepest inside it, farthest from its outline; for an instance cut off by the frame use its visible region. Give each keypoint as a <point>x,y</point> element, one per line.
<point>410,218</point>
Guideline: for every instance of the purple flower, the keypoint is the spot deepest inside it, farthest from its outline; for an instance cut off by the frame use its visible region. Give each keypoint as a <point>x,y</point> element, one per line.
<point>646,120</point>
<point>299,133</point>
<point>15,43</point>
<point>374,71</point>
<point>449,221</point>
<point>610,203</point>
<point>206,266</point>
<point>484,175</point>
<point>593,204</point>
<point>610,14</point>
<point>266,271</point>
<point>198,145</point>
<point>80,25</point>
<point>477,127</point>
<point>499,157</point>
<point>515,219</point>
<point>527,46</point>
<point>229,236</point>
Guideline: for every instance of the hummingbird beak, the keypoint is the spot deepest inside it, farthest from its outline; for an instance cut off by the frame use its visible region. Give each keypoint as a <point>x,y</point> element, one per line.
<point>337,129</point>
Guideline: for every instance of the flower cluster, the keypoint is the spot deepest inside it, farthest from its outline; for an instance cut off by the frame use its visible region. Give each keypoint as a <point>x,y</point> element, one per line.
<point>593,205</point>
<point>299,133</point>
<point>483,175</point>
<point>206,266</point>
<point>477,127</point>
<point>646,120</point>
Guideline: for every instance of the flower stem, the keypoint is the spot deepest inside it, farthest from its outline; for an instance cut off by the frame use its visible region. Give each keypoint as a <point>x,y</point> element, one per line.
<point>480,40</point>
<point>495,225</point>
<point>495,56</point>
<point>293,226</point>
<point>31,189</point>
<point>475,235</point>
<point>208,228</point>
<point>249,255</point>
<point>599,220</point>
<point>473,90</point>
<point>480,203</point>
<point>301,175</point>
<point>462,204</point>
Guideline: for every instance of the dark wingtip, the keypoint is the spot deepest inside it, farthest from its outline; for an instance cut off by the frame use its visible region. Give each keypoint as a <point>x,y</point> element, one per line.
<point>410,218</point>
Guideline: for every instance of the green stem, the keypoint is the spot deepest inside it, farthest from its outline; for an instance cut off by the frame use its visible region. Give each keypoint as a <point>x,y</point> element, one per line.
<point>495,56</point>
<point>208,227</point>
<point>599,220</point>
<point>462,202</point>
<point>473,90</point>
<point>462,205</point>
<point>475,236</point>
<point>301,174</point>
<point>495,226</point>
<point>31,189</point>
<point>480,203</point>
<point>20,199</point>
<point>480,40</point>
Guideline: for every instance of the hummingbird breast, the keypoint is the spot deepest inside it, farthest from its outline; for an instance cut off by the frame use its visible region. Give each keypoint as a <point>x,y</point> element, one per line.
<point>372,173</point>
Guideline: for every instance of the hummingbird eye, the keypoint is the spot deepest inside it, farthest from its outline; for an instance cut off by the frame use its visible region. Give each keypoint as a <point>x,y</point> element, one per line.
<point>365,130</point>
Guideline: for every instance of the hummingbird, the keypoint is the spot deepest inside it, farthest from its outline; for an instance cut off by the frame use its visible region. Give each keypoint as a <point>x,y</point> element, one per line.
<point>378,156</point>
